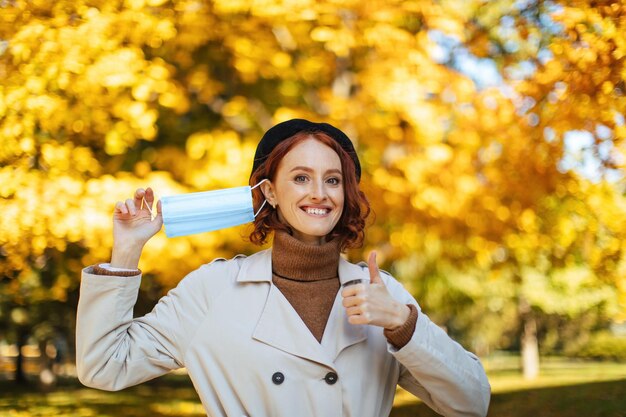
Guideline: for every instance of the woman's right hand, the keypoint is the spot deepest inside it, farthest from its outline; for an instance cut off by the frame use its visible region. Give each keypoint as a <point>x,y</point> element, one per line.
<point>133,226</point>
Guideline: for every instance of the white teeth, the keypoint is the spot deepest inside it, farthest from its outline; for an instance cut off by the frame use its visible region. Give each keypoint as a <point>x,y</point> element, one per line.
<point>316,211</point>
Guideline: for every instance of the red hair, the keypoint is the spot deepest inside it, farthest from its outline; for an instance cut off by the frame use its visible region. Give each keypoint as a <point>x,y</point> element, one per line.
<point>350,227</point>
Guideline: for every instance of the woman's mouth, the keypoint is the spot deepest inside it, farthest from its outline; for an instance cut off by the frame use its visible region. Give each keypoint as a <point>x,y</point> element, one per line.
<point>315,211</point>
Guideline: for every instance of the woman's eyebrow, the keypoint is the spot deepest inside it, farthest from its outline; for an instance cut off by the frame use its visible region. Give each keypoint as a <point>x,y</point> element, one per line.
<point>307,169</point>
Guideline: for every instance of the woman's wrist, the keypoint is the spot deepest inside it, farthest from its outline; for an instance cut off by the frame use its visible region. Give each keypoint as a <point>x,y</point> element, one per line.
<point>400,317</point>
<point>126,256</point>
<point>400,336</point>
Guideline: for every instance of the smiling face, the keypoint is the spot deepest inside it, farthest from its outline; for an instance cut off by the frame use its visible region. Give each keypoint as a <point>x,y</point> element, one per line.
<point>308,190</point>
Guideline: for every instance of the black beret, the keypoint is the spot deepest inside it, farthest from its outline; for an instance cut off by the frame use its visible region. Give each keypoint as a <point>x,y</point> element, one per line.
<point>285,130</point>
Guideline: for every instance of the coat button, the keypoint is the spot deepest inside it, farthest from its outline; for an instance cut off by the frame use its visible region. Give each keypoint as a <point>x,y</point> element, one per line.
<point>331,378</point>
<point>278,378</point>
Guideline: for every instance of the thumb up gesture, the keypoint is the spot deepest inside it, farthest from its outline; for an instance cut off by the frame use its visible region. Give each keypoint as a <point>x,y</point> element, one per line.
<point>371,303</point>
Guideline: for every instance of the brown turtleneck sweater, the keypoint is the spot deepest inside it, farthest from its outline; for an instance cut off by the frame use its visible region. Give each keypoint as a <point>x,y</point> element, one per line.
<point>307,275</point>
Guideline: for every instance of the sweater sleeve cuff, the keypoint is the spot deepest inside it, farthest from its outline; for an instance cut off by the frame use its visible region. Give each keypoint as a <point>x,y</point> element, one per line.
<point>400,337</point>
<point>101,269</point>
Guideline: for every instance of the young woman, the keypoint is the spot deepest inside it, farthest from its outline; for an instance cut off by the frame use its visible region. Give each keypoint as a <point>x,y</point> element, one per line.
<point>294,330</point>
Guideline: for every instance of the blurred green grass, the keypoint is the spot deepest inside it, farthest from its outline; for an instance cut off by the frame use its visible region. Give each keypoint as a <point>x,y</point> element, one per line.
<point>171,395</point>
<point>565,388</point>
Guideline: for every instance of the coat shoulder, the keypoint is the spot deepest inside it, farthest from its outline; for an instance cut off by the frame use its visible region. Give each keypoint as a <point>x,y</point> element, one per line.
<point>237,259</point>
<point>222,266</point>
<point>215,275</point>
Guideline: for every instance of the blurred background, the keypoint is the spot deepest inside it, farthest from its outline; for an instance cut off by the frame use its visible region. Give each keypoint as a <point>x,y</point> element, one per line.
<point>492,140</point>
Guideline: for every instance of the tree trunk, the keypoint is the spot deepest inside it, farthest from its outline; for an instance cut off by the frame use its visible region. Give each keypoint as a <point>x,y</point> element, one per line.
<point>22,336</point>
<point>47,377</point>
<point>530,345</point>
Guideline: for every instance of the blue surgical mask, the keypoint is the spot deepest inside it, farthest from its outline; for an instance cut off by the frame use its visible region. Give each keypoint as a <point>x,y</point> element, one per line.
<point>188,214</point>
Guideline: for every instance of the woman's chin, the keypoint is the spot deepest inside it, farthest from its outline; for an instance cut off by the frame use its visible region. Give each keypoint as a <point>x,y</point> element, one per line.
<point>317,236</point>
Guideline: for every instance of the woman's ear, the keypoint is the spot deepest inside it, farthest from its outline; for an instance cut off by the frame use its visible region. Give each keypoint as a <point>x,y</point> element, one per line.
<point>267,188</point>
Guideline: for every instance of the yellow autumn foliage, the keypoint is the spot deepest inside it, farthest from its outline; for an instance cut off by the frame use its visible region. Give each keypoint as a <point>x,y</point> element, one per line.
<point>466,177</point>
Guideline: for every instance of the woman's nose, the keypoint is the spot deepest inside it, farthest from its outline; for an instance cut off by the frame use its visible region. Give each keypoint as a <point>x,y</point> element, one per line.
<point>318,190</point>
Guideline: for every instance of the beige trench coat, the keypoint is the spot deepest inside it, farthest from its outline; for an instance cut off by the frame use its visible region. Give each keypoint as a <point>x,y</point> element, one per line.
<point>248,352</point>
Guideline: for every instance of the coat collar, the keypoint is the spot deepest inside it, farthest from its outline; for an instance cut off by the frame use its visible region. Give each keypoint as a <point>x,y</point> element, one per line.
<point>258,268</point>
<point>281,327</point>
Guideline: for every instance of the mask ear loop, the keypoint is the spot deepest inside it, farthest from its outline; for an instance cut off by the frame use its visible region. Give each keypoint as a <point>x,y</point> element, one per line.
<point>144,203</point>
<point>260,208</point>
<point>264,201</point>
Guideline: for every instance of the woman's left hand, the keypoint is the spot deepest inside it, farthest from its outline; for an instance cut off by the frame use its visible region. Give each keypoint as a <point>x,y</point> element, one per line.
<point>371,303</point>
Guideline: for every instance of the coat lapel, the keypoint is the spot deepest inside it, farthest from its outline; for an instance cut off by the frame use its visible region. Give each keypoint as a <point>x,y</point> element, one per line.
<point>339,333</point>
<point>281,327</point>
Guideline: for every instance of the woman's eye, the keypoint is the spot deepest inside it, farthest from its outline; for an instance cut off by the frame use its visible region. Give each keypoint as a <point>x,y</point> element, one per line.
<point>300,178</point>
<point>334,181</point>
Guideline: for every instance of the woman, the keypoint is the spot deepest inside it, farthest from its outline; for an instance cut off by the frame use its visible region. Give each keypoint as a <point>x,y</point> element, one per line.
<point>273,334</point>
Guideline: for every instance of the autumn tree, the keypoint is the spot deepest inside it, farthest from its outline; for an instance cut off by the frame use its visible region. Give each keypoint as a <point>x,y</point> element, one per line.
<point>565,62</point>
<point>481,209</point>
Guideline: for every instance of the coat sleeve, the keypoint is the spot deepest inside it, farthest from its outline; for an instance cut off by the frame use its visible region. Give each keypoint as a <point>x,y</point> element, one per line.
<point>437,369</point>
<point>113,350</point>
